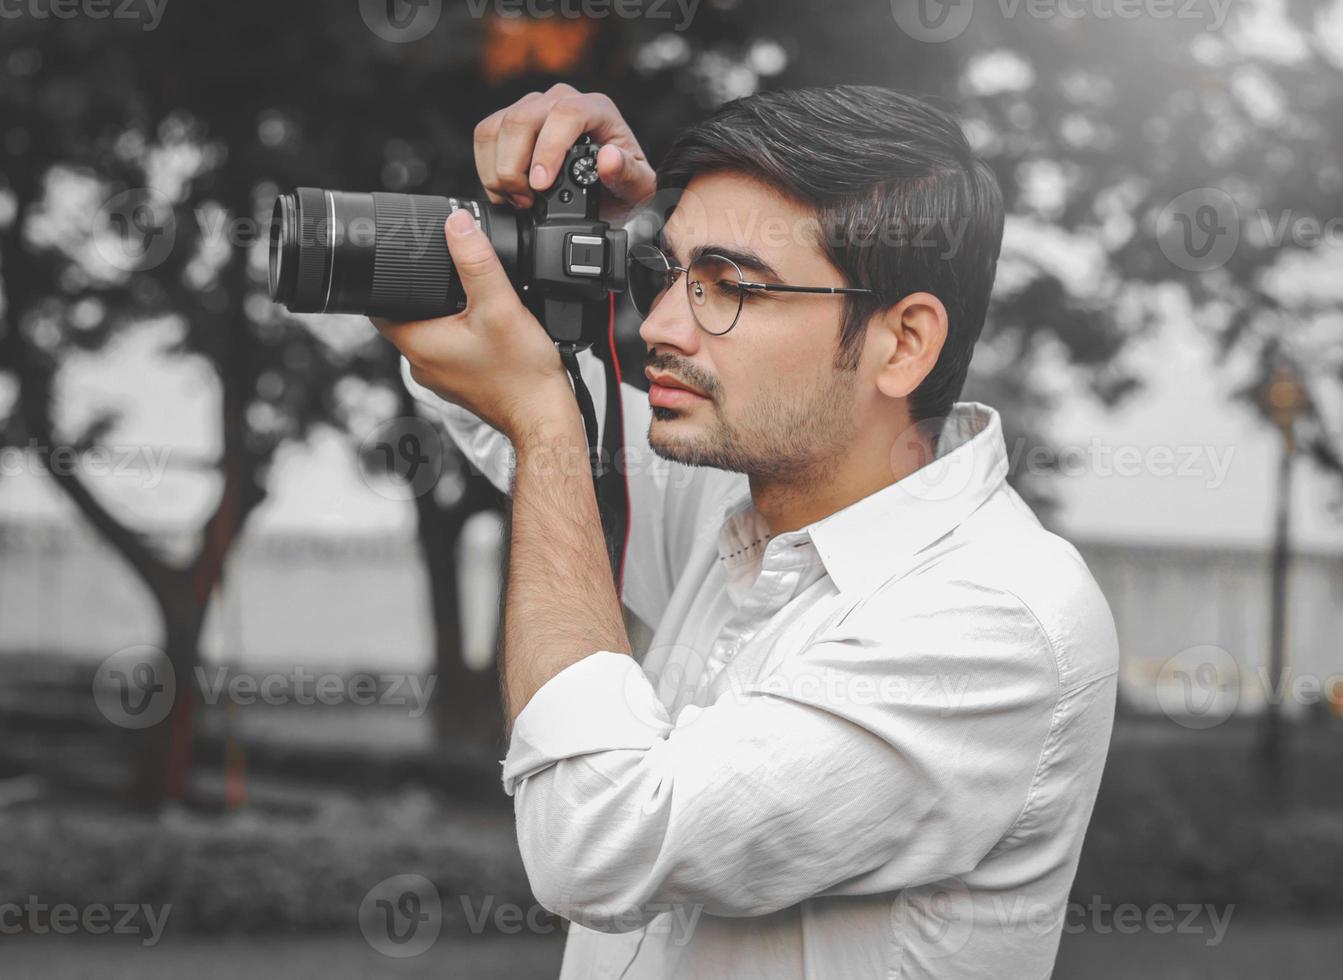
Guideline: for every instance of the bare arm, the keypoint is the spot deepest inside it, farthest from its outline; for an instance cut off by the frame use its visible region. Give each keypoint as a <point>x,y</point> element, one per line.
<point>560,603</point>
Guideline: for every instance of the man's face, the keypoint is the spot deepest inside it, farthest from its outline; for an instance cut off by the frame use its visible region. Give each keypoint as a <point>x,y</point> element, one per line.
<point>774,406</point>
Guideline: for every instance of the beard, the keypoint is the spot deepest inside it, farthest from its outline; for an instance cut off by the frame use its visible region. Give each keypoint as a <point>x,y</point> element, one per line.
<point>783,435</point>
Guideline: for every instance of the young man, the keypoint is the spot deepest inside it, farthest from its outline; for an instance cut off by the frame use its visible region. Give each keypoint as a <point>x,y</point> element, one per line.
<point>867,735</point>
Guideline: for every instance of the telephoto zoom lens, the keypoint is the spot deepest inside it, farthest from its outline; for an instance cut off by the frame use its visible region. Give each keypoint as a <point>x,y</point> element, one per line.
<point>378,254</point>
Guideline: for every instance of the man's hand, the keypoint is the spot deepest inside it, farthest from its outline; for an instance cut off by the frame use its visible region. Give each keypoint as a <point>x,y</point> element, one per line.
<point>519,150</point>
<point>493,358</point>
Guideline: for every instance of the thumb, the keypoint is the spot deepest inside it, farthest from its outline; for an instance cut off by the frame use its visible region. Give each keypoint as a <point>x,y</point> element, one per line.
<point>478,267</point>
<point>630,179</point>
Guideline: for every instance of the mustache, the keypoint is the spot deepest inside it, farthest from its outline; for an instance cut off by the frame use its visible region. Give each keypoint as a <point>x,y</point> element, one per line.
<point>683,369</point>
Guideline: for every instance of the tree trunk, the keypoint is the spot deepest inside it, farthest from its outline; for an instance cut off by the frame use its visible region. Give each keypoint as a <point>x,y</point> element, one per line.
<point>163,760</point>
<point>467,702</point>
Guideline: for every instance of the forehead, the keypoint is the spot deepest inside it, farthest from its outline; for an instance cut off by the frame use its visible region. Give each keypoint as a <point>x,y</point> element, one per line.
<point>736,211</point>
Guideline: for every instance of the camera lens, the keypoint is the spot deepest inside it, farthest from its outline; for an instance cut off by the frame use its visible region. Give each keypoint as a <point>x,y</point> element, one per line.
<point>377,254</point>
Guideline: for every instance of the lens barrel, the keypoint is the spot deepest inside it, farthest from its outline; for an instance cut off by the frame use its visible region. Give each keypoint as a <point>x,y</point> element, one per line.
<point>377,254</point>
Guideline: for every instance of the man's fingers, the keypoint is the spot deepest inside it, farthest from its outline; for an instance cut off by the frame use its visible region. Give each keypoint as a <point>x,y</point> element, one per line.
<point>629,179</point>
<point>481,273</point>
<point>483,140</point>
<point>513,145</point>
<point>568,119</point>
<point>571,117</point>
<point>520,150</point>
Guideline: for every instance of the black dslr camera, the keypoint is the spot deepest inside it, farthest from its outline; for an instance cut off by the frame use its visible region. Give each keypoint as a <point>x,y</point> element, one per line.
<point>384,254</point>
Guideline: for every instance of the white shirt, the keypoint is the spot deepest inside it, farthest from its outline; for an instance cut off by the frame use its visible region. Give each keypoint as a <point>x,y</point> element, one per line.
<point>865,748</point>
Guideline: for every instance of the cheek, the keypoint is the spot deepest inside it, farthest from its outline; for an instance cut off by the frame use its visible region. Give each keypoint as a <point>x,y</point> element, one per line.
<point>759,377</point>
<point>784,352</point>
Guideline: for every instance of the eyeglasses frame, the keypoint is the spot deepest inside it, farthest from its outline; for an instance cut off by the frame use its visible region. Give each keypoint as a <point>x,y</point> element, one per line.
<point>743,284</point>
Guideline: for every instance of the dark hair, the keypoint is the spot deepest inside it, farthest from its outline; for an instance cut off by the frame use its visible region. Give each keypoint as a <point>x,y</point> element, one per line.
<point>903,204</point>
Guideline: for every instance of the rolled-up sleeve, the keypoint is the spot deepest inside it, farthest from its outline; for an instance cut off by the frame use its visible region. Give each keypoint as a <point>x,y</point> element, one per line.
<point>601,703</point>
<point>866,764</point>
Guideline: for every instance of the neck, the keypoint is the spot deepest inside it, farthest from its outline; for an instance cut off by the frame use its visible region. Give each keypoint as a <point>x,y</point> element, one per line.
<point>878,457</point>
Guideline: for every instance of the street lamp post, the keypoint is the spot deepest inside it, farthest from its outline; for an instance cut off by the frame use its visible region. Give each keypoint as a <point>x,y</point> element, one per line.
<point>1284,398</point>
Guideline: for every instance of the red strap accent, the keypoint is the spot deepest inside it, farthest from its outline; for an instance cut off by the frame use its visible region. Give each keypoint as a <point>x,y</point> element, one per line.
<point>620,420</point>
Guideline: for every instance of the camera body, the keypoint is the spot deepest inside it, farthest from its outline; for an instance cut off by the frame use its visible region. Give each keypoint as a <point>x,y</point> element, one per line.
<point>385,255</point>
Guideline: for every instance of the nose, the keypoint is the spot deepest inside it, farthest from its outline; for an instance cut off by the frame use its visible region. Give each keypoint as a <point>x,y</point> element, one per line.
<point>671,324</point>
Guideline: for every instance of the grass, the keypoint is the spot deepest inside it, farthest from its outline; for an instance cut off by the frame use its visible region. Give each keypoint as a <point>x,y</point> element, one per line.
<point>1180,819</point>
<point>257,871</point>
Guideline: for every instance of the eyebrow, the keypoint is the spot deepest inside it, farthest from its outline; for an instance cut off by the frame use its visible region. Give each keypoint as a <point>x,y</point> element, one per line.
<point>744,257</point>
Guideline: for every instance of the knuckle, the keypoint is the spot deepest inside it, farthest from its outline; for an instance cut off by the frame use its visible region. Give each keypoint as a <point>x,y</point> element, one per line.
<point>487,128</point>
<point>561,89</point>
<point>513,119</point>
<point>572,107</point>
<point>509,173</point>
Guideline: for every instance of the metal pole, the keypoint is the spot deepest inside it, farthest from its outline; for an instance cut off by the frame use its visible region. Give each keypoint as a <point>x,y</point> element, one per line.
<point>1285,398</point>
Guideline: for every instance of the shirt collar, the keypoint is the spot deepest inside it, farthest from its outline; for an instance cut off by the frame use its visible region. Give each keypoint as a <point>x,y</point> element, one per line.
<point>875,538</point>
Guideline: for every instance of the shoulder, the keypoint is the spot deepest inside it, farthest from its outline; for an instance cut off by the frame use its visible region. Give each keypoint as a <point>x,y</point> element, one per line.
<point>1003,550</point>
<point>1004,592</point>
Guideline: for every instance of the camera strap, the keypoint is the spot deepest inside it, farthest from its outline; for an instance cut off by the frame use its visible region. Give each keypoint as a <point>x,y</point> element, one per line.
<point>606,457</point>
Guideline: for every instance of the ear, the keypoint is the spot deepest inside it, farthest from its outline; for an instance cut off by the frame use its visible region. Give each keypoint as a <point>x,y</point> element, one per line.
<point>912,333</point>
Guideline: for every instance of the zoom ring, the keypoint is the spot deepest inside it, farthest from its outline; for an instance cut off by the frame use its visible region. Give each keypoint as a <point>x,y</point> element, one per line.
<point>413,274</point>
<point>314,255</point>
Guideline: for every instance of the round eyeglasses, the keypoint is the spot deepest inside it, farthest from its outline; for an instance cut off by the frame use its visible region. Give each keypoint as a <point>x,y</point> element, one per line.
<point>714,285</point>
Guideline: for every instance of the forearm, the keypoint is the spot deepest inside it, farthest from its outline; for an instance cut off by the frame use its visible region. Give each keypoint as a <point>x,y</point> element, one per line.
<point>560,601</point>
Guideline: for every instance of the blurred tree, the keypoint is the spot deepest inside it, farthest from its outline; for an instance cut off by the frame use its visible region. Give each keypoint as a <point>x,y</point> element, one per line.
<point>1192,160</point>
<point>1115,139</point>
<point>1114,136</point>
<point>96,112</point>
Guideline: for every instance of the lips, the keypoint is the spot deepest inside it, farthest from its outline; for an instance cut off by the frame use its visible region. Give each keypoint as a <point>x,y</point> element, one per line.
<point>668,381</point>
